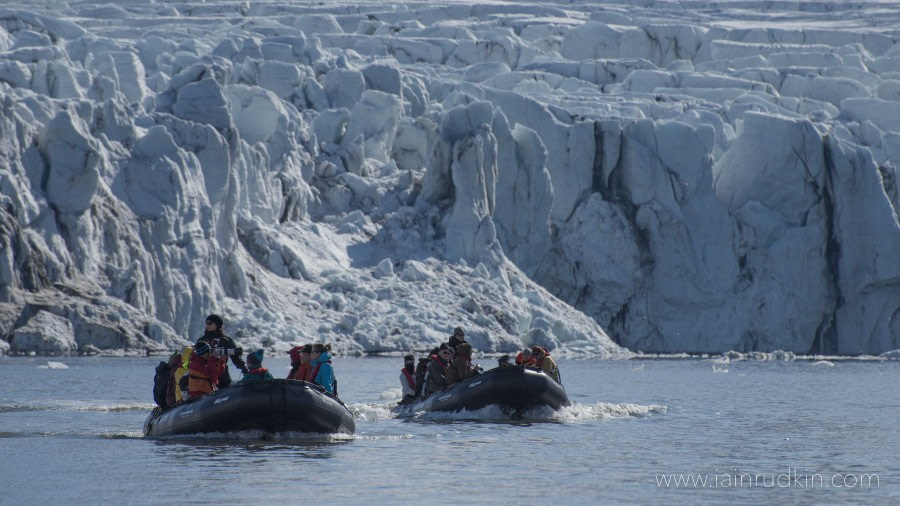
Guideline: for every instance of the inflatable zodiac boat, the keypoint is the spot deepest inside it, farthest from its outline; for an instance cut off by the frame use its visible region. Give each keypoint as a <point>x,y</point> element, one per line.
<point>512,388</point>
<point>271,406</point>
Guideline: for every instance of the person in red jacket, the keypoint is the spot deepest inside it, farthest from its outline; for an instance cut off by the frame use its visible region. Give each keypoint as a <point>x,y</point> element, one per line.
<point>204,370</point>
<point>300,362</point>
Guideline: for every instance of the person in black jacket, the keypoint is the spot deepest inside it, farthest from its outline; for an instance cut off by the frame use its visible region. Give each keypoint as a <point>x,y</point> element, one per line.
<point>458,337</point>
<point>436,375</point>
<point>214,335</point>
<point>421,369</point>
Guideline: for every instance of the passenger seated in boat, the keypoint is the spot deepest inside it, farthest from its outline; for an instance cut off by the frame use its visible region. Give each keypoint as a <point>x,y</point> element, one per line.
<point>181,392</point>
<point>503,362</point>
<point>408,379</point>
<point>458,337</point>
<point>321,372</point>
<point>256,372</point>
<point>544,362</point>
<point>462,367</point>
<point>525,358</point>
<point>436,377</point>
<point>300,362</point>
<point>204,370</point>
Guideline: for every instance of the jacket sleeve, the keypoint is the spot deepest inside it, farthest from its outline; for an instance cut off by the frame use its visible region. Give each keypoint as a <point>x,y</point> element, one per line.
<point>237,360</point>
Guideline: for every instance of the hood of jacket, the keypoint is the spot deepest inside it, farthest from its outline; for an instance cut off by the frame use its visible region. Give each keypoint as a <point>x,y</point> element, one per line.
<point>324,357</point>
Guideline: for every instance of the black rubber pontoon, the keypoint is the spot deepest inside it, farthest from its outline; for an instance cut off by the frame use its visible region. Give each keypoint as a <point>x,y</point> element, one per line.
<point>514,388</point>
<point>272,406</point>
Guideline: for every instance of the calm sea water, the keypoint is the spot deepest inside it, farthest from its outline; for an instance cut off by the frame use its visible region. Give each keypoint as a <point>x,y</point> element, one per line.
<point>801,432</point>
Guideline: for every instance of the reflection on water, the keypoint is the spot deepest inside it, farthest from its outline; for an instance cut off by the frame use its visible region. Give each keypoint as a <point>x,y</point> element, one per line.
<point>226,447</point>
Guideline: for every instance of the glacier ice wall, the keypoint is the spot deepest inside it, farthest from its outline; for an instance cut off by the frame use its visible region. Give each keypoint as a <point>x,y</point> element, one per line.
<point>582,177</point>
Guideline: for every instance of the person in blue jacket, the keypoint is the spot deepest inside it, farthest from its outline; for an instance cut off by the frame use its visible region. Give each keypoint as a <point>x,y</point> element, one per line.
<point>321,372</point>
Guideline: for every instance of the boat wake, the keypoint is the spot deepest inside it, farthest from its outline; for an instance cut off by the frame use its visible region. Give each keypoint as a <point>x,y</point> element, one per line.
<point>578,413</point>
<point>371,412</point>
<point>574,413</point>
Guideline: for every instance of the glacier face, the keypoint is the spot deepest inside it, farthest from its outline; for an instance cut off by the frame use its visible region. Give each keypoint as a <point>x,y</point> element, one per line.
<point>680,178</point>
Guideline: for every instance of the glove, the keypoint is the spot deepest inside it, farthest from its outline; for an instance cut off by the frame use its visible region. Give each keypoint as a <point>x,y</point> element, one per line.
<point>238,352</point>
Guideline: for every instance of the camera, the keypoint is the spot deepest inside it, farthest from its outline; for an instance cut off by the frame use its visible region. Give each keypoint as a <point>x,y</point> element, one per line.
<point>229,352</point>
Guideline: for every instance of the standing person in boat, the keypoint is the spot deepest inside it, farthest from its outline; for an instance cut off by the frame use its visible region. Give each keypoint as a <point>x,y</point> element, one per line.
<point>204,370</point>
<point>422,371</point>
<point>408,379</point>
<point>256,371</point>
<point>321,372</point>
<point>436,377</point>
<point>545,362</point>
<point>525,358</point>
<point>458,337</point>
<point>462,367</point>
<point>300,362</point>
<point>214,336</point>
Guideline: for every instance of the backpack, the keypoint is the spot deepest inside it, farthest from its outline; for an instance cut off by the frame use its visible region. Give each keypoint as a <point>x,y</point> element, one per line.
<point>161,384</point>
<point>420,376</point>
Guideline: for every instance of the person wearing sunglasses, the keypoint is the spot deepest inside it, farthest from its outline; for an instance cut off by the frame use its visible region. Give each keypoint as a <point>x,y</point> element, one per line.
<point>458,337</point>
<point>220,344</point>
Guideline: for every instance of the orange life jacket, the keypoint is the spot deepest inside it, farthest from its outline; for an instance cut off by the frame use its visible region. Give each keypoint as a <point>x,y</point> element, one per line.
<point>203,374</point>
<point>520,360</point>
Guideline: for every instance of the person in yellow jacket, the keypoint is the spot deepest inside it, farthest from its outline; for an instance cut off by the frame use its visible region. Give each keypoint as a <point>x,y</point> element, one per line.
<point>181,395</point>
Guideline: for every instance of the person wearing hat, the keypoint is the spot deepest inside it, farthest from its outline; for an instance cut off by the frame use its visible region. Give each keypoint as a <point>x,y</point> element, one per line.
<point>503,362</point>
<point>459,336</point>
<point>462,367</point>
<point>544,362</point>
<point>408,379</point>
<point>256,371</point>
<point>525,358</point>
<point>204,370</point>
<point>219,343</point>
<point>300,362</point>
<point>321,371</point>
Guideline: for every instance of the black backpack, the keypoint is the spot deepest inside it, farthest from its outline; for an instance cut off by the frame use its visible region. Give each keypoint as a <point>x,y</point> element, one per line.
<point>161,384</point>
<point>421,368</point>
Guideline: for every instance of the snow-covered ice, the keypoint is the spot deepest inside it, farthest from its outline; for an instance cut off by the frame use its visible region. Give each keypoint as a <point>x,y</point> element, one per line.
<point>592,177</point>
